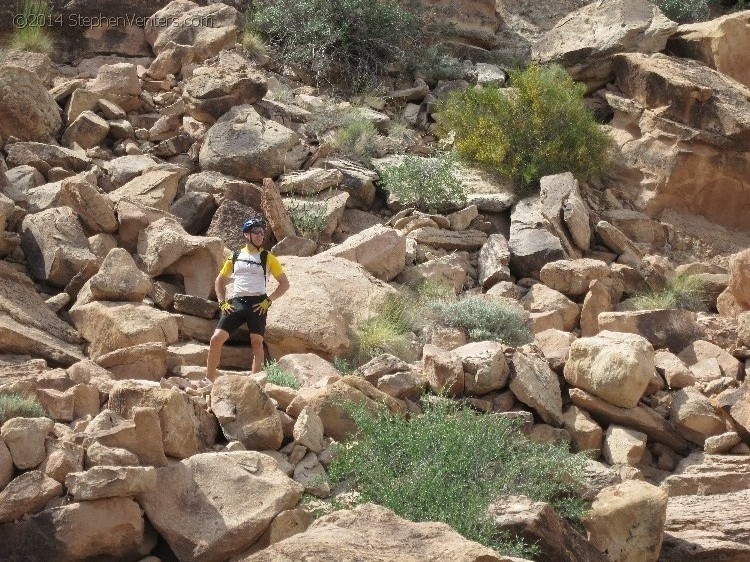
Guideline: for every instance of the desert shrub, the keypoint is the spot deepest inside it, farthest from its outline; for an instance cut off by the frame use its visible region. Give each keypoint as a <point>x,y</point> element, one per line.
<point>29,32</point>
<point>436,63</point>
<point>14,405</point>
<point>347,43</point>
<point>449,464</point>
<point>356,139</point>
<point>426,183</point>
<point>537,128</point>
<point>684,291</point>
<point>280,377</point>
<point>484,319</point>
<point>253,44</point>
<point>343,365</point>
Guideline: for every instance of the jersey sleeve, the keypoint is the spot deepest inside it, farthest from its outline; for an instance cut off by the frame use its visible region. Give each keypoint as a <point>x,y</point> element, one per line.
<point>274,265</point>
<point>226,269</point>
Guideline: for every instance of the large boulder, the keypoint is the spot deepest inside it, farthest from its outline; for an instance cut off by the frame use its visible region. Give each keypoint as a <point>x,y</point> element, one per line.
<point>327,297</point>
<point>156,188</point>
<point>372,533</point>
<point>245,145</point>
<point>614,366</point>
<point>109,326</point>
<point>165,247</point>
<point>537,386</point>
<point>28,326</point>
<point>55,245</point>
<point>739,279</point>
<point>208,29</point>
<point>108,529</point>
<point>94,209</point>
<point>27,111</point>
<point>627,521</point>
<point>681,151</point>
<point>532,243</point>
<point>197,509</point>
<point>718,43</point>
<point>379,249</point>
<point>584,41</point>
<point>246,413</point>
<point>118,279</point>
<point>572,277</point>
<point>670,328</point>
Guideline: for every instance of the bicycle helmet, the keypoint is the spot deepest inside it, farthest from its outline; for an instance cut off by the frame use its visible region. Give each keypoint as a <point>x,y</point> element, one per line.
<point>253,222</point>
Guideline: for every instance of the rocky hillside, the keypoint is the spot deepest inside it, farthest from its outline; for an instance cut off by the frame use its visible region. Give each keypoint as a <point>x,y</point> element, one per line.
<point>131,158</point>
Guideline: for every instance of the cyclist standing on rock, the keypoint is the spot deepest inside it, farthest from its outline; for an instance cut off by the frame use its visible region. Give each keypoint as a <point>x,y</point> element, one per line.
<point>250,268</point>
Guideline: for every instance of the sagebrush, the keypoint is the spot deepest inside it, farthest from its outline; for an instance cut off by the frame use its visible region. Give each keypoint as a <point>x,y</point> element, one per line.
<point>484,319</point>
<point>536,128</point>
<point>449,464</point>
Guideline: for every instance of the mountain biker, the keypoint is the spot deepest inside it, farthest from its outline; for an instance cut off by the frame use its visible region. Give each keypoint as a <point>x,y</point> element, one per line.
<point>250,268</point>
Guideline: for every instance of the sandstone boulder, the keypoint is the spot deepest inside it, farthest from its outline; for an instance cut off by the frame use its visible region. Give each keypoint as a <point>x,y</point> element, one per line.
<point>623,445</point>
<point>573,277</point>
<point>537,386</point>
<point>25,439</point>
<point>531,242</point>
<point>27,110</point>
<point>670,328</point>
<point>118,279</point>
<point>484,365</point>
<point>27,494</point>
<point>380,250</point>
<point>494,258</point>
<point>195,506</point>
<point>95,210</point>
<point>111,482</point>
<point>694,416</point>
<point>613,366</point>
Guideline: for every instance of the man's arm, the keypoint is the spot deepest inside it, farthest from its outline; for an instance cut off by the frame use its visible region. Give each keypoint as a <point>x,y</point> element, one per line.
<point>281,289</point>
<point>220,285</point>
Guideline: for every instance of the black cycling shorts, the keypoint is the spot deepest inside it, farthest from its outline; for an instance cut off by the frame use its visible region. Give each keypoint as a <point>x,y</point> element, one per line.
<point>244,313</point>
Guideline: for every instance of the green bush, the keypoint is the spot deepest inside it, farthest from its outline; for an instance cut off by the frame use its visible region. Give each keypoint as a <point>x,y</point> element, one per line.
<point>684,291</point>
<point>426,183</point>
<point>30,34</point>
<point>279,376</point>
<point>14,405</point>
<point>435,63</point>
<point>448,465</point>
<point>537,128</point>
<point>346,43</point>
<point>485,319</point>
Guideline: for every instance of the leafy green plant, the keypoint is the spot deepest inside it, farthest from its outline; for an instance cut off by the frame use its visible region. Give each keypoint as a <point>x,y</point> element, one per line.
<point>14,405</point>
<point>343,365</point>
<point>308,216</point>
<point>29,33</point>
<point>537,128</point>
<point>436,63</point>
<point>280,377</point>
<point>684,291</point>
<point>356,139</point>
<point>426,183</point>
<point>485,319</point>
<point>449,464</point>
<point>346,43</point>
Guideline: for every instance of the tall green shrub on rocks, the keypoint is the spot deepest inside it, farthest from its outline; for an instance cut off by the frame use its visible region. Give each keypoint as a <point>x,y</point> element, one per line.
<point>29,27</point>
<point>347,43</point>
<point>536,128</point>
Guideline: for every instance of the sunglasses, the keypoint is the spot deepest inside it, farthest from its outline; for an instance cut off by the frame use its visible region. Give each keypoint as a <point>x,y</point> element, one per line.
<point>257,230</point>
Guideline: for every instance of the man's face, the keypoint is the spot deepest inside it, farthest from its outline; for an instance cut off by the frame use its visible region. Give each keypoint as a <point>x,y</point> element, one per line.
<point>255,235</point>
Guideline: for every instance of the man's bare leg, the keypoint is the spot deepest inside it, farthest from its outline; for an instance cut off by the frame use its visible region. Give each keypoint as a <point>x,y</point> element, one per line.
<point>256,342</point>
<point>214,352</point>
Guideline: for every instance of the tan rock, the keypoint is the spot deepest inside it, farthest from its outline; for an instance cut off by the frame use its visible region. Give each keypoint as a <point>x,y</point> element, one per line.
<point>308,430</point>
<point>701,350</point>
<point>308,368</point>
<point>444,371</point>
<point>694,416</point>
<point>28,111</point>
<point>27,494</point>
<point>555,346</point>
<point>379,249</point>
<point>147,361</point>
<point>468,240</point>
<point>25,438</point>
<point>245,413</point>
<point>196,508</point>
<point>573,277</point>
<point>155,189</point>
<point>118,279</point>
<point>107,529</point>
<point>494,258</point>
<point>101,482</point>
<point>94,209</point>
<point>598,299</point>
<point>87,131</point>
<point>447,270</point>
<point>484,365</point>
<point>6,465</point>
<point>720,444</point>
<point>676,373</point>
<point>63,457</point>
<point>311,474</point>
<point>623,445</point>
<point>614,366</point>
<point>371,532</point>
<point>541,298</point>
<point>101,455</point>
<point>585,432</point>
<point>537,386</point>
